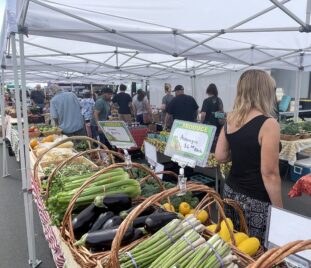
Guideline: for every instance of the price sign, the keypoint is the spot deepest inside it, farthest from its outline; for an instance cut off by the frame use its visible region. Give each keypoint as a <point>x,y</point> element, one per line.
<point>190,141</point>
<point>117,134</point>
<point>150,153</point>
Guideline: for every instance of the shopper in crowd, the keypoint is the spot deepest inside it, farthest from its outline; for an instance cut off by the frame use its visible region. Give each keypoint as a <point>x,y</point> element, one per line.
<point>182,107</point>
<point>87,104</point>
<point>123,102</point>
<point>66,113</point>
<point>38,97</point>
<point>141,107</point>
<point>211,105</point>
<point>166,100</point>
<point>100,113</point>
<point>250,139</point>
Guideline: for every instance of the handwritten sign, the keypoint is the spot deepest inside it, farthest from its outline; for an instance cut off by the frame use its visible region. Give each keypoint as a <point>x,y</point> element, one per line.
<point>117,134</point>
<point>190,140</point>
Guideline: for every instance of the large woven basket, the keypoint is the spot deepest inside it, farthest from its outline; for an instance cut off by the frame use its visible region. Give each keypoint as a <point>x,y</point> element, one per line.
<point>211,198</point>
<point>82,255</point>
<point>71,159</point>
<point>39,159</point>
<point>276,256</point>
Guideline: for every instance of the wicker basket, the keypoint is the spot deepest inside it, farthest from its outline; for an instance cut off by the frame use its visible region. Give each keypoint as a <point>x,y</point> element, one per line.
<point>305,136</point>
<point>210,198</point>
<point>285,137</point>
<point>36,165</point>
<point>82,255</point>
<point>73,158</point>
<point>276,256</point>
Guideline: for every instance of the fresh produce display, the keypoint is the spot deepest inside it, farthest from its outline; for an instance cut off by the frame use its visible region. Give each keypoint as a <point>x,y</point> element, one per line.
<point>47,128</point>
<point>70,170</point>
<point>34,131</point>
<point>246,244</point>
<point>151,187</point>
<point>291,129</point>
<point>96,225</point>
<point>160,145</point>
<point>63,189</point>
<point>179,244</point>
<point>81,146</point>
<point>299,128</point>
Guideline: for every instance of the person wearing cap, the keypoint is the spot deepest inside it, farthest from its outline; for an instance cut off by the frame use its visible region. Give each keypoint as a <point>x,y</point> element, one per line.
<point>37,97</point>
<point>166,99</point>
<point>100,113</point>
<point>66,113</point>
<point>124,103</point>
<point>182,107</point>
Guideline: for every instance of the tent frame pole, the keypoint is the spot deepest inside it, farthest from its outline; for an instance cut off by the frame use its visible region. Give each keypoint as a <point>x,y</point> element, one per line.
<point>308,12</point>
<point>297,94</point>
<point>23,148</point>
<point>288,12</point>
<point>5,171</point>
<point>169,31</point>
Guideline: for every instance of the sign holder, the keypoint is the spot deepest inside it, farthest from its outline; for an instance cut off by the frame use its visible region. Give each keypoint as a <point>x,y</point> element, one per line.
<point>189,144</point>
<point>119,136</point>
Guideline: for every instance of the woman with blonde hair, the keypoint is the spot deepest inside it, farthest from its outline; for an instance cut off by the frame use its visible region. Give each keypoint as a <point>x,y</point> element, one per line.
<point>251,140</point>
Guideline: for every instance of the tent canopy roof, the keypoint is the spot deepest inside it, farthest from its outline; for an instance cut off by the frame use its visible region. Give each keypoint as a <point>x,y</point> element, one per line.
<point>156,39</point>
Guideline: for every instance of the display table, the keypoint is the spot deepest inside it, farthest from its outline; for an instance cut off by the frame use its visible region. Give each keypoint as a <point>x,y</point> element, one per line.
<point>11,134</point>
<point>291,148</point>
<point>60,251</point>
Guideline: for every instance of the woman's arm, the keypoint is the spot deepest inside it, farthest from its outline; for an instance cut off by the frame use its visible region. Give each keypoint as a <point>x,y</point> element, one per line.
<point>222,153</point>
<point>269,138</point>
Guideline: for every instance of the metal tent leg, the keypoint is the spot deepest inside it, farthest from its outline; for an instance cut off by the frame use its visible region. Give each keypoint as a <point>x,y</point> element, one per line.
<point>5,171</point>
<point>297,95</point>
<point>24,168</point>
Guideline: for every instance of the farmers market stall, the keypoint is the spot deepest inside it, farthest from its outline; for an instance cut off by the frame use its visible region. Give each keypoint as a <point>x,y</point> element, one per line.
<point>291,148</point>
<point>237,49</point>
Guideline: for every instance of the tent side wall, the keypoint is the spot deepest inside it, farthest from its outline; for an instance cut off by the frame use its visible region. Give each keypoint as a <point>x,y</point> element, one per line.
<point>287,80</point>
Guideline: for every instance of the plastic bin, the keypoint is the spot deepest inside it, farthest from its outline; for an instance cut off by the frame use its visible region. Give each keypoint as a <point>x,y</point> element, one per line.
<point>203,179</point>
<point>301,168</point>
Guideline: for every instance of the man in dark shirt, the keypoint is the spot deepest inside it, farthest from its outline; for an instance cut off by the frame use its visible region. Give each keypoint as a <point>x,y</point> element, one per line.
<point>124,102</point>
<point>37,96</point>
<point>182,107</point>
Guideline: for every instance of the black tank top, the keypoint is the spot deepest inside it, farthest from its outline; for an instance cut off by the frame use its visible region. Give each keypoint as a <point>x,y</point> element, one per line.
<point>245,176</point>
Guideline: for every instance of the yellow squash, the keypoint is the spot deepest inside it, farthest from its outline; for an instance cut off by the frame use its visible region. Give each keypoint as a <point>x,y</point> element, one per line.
<point>212,228</point>
<point>249,246</point>
<point>240,237</point>
<point>224,231</point>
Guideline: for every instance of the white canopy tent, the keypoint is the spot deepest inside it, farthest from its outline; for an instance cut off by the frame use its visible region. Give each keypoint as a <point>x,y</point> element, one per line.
<point>118,39</point>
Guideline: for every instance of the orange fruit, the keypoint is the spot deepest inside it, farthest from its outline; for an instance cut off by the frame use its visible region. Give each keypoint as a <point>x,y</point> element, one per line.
<point>49,138</point>
<point>33,143</point>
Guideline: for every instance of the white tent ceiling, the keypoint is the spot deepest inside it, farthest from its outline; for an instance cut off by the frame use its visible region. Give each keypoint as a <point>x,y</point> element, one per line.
<point>118,39</point>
